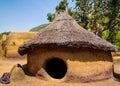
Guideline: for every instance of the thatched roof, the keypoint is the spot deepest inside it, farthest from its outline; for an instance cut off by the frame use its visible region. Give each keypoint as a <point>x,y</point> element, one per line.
<point>64,31</point>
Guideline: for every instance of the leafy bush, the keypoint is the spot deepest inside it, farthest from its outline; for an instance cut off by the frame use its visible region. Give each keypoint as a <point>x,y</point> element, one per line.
<point>118,45</point>
<point>118,35</point>
<point>117,40</point>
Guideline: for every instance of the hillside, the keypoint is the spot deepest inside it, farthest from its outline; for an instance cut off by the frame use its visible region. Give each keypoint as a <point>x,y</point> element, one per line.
<point>38,28</point>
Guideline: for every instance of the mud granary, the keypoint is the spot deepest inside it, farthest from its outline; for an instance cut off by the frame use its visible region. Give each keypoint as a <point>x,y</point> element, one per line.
<point>68,52</point>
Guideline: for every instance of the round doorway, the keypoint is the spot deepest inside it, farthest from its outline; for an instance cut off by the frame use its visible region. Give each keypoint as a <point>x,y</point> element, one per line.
<point>56,68</point>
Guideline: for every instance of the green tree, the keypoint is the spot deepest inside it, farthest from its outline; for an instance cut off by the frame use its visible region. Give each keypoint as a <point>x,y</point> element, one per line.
<point>114,20</point>
<point>97,16</point>
<point>50,17</point>
<point>63,5</point>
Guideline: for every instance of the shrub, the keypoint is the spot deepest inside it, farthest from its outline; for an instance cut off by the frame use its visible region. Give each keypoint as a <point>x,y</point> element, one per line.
<point>118,45</point>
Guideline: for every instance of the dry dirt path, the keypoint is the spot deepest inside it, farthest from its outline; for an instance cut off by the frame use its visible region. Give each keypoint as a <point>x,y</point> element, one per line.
<point>6,65</point>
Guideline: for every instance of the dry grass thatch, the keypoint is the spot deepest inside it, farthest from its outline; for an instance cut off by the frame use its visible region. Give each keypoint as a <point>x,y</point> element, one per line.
<point>64,31</point>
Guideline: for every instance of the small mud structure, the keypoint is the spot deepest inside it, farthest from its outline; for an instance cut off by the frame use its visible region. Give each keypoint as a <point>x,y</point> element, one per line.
<point>65,50</point>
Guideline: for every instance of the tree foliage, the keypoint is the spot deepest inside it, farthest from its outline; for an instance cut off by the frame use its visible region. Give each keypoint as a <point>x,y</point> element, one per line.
<point>63,5</point>
<point>97,16</point>
<point>50,17</point>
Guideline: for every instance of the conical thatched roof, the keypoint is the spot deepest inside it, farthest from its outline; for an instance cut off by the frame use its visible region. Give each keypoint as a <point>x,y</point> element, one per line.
<point>64,31</point>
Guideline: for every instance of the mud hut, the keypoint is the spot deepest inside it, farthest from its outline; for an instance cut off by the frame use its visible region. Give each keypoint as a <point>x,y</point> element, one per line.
<point>68,52</point>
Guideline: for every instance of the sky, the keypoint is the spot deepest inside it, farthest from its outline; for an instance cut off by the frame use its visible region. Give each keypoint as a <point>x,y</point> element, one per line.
<point>23,15</point>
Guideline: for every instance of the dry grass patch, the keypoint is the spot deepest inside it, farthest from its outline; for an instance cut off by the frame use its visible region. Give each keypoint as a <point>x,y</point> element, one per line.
<point>14,40</point>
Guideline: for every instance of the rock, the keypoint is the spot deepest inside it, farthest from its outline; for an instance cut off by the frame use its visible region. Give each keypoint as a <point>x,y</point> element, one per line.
<point>17,73</point>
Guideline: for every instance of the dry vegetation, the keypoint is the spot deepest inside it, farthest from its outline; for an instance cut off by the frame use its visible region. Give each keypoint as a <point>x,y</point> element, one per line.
<point>13,41</point>
<point>7,64</point>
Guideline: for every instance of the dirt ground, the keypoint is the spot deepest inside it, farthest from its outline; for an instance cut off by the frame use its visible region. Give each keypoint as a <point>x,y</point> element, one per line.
<point>6,65</point>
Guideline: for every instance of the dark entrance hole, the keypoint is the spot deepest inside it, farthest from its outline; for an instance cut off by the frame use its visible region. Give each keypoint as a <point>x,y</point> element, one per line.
<point>56,68</point>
